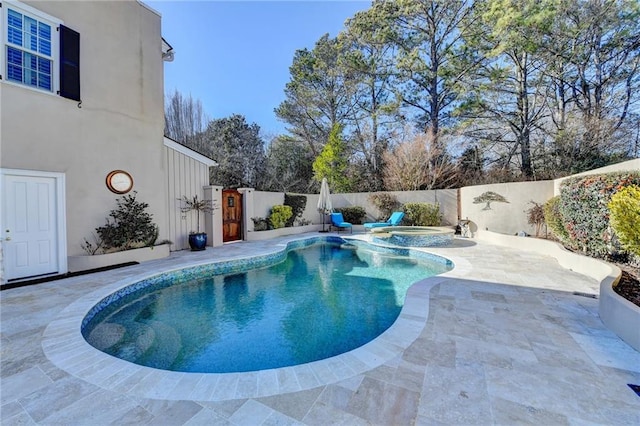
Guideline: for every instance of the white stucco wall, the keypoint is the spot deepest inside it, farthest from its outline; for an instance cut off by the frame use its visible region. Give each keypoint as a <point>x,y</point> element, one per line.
<point>118,126</point>
<point>504,218</point>
<point>447,198</point>
<point>263,201</point>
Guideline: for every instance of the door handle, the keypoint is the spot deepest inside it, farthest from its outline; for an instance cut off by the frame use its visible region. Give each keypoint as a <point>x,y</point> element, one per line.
<point>8,237</point>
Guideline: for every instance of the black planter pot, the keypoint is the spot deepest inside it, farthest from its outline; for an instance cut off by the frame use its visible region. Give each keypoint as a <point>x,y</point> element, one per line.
<point>198,241</point>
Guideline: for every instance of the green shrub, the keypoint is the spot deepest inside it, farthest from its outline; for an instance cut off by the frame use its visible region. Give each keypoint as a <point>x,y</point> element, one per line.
<point>624,210</point>
<point>130,226</point>
<point>297,204</point>
<point>386,203</point>
<point>353,215</point>
<point>260,223</point>
<point>584,207</point>
<point>279,216</point>
<point>422,214</point>
<point>553,219</point>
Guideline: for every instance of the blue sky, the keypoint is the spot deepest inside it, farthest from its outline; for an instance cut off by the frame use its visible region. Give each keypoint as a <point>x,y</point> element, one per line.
<point>235,55</point>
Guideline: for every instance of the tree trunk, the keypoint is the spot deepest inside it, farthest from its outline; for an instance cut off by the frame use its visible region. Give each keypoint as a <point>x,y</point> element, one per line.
<point>524,132</point>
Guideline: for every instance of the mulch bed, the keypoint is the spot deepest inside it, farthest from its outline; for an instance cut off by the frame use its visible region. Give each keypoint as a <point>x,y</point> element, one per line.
<point>629,285</point>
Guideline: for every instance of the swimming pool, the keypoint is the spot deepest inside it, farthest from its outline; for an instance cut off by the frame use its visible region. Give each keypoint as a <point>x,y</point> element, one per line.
<point>320,298</point>
<point>413,236</point>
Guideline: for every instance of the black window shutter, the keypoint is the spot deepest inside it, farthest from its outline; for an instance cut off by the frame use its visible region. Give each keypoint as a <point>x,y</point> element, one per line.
<point>69,63</point>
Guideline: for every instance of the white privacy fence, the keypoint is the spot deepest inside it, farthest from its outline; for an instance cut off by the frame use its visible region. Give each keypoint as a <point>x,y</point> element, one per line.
<point>507,218</point>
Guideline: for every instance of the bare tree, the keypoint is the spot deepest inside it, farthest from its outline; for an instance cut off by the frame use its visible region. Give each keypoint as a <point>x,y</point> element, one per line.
<point>592,52</point>
<point>419,163</point>
<point>185,121</point>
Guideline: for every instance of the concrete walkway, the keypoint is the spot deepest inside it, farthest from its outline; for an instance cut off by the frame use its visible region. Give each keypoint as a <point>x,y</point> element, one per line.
<point>501,339</point>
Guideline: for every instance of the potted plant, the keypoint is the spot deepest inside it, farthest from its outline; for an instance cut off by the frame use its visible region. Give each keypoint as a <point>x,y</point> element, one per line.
<point>197,240</point>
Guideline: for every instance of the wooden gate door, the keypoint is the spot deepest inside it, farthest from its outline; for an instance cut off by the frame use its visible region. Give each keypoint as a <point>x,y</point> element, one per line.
<point>231,215</point>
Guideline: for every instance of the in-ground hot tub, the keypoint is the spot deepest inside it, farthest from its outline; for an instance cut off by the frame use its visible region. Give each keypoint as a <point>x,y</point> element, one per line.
<point>413,236</point>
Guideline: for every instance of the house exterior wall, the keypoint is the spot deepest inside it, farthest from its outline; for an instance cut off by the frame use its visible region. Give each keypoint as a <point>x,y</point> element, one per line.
<point>119,124</point>
<point>187,175</point>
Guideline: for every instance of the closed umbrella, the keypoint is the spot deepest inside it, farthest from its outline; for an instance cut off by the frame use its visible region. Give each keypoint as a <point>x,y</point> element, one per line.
<point>324,201</point>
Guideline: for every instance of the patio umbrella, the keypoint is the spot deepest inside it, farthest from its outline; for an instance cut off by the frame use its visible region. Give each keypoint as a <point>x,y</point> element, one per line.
<point>324,201</point>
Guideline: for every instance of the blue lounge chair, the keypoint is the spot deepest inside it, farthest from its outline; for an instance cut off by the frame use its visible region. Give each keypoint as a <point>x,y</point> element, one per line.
<point>394,220</point>
<point>338,221</point>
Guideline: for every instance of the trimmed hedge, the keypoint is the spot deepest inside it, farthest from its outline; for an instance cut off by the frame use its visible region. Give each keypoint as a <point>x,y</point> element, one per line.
<point>422,214</point>
<point>554,220</point>
<point>353,215</point>
<point>585,212</point>
<point>625,217</point>
<point>297,204</point>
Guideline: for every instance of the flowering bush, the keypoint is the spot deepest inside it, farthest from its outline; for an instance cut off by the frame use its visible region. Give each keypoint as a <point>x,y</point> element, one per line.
<point>584,207</point>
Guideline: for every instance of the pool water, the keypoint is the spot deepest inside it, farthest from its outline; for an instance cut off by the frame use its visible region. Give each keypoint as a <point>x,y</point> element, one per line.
<point>321,301</point>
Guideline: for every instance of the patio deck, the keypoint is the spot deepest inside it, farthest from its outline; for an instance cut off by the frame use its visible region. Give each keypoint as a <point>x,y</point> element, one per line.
<point>501,339</point>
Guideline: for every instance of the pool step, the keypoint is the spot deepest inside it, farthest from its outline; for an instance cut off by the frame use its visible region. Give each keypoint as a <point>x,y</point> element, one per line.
<point>164,349</point>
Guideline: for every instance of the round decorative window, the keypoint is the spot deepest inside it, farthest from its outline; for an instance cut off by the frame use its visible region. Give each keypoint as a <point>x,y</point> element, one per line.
<point>119,182</point>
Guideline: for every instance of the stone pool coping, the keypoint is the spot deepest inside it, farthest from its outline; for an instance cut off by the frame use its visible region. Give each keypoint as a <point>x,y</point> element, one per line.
<point>64,346</point>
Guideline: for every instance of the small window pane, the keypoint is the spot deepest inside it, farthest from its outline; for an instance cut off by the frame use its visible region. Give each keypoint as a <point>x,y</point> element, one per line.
<point>30,61</point>
<point>30,33</point>
<point>15,73</point>
<point>44,39</point>
<point>45,47</point>
<point>44,31</point>
<point>44,81</point>
<point>29,41</point>
<point>30,77</point>
<point>14,56</point>
<point>15,36</point>
<point>30,26</point>
<point>15,19</point>
<point>44,65</point>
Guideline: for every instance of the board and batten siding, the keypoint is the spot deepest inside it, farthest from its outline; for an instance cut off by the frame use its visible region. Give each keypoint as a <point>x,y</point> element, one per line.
<point>187,174</point>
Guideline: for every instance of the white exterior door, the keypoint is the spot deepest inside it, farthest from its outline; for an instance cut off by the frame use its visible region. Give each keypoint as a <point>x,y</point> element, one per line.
<point>31,224</point>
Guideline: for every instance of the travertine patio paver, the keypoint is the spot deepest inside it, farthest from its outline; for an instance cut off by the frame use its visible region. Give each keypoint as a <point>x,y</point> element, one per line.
<point>506,341</point>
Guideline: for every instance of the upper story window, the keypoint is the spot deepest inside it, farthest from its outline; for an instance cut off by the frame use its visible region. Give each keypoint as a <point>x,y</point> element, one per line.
<point>29,47</point>
<point>38,51</point>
